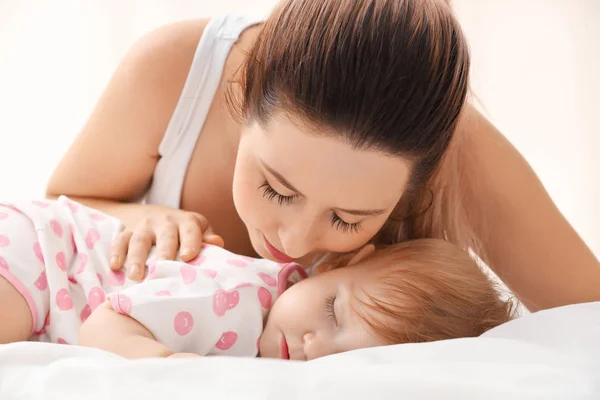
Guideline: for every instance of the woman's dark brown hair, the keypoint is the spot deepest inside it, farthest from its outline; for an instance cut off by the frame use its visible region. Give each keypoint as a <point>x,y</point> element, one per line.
<point>383,75</point>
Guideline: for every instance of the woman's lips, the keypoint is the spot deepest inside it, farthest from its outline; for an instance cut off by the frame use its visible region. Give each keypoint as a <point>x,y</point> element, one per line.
<point>278,255</point>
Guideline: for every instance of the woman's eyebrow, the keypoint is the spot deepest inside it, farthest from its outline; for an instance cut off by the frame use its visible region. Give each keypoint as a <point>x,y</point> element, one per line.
<point>364,213</point>
<point>280,178</point>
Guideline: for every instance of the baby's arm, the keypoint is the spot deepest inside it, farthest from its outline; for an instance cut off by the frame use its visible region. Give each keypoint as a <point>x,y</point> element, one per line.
<point>108,330</point>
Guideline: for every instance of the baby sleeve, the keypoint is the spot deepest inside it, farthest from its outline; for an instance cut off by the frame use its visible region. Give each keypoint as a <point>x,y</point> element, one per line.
<point>190,310</point>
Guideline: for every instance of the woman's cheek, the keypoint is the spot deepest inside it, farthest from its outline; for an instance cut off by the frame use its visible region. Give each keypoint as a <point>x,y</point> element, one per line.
<point>247,196</point>
<point>241,189</point>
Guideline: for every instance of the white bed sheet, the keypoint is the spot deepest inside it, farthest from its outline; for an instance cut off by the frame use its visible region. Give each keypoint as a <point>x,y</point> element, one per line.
<point>548,355</point>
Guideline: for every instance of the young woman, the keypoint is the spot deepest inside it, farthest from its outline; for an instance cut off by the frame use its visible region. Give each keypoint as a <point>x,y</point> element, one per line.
<point>326,126</point>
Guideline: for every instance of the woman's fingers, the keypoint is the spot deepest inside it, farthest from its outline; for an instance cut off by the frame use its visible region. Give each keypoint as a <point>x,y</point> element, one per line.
<point>140,244</point>
<point>211,238</point>
<point>167,240</point>
<point>208,236</point>
<point>190,237</point>
<point>118,249</point>
<point>169,233</point>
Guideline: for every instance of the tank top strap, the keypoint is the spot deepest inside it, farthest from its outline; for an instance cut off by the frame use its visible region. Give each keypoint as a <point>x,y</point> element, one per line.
<point>192,108</point>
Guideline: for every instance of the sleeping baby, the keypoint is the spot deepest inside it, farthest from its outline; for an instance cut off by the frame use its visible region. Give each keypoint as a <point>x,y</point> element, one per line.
<point>56,286</point>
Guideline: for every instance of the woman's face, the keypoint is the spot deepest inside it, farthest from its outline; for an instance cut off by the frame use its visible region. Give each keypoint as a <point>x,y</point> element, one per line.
<point>300,191</point>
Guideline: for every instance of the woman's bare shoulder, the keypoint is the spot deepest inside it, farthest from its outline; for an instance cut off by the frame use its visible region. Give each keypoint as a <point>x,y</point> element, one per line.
<point>115,154</point>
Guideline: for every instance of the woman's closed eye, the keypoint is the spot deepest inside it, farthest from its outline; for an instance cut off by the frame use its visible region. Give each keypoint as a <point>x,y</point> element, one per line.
<point>271,194</point>
<point>344,226</point>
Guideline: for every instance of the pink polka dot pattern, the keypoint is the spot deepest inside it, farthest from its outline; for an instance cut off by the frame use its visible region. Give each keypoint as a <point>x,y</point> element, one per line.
<point>37,250</point>
<point>227,340</point>
<point>73,244</point>
<point>224,301</point>
<point>56,228</point>
<point>4,264</point>
<point>188,274</point>
<point>41,282</point>
<point>122,304</point>
<point>151,267</point>
<point>72,206</point>
<point>210,272</point>
<point>95,297</point>
<point>237,263</point>
<point>83,260</point>
<point>177,301</point>
<point>183,323</point>
<point>85,313</point>
<point>116,278</point>
<point>92,237</point>
<point>197,261</point>
<point>63,300</point>
<point>264,297</point>
<point>61,261</point>
<point>268,279</point>
<point>4,241</point>
<point>97,217</point>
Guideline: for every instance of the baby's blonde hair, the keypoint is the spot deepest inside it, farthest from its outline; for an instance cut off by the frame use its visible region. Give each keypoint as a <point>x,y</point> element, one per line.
<point>428,289</point>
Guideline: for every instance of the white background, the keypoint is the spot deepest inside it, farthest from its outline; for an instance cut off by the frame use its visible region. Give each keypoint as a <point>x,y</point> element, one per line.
<point>536,66</point>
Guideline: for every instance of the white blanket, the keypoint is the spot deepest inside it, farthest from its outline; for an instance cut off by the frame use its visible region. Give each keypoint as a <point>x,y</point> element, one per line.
<point>547,355</point>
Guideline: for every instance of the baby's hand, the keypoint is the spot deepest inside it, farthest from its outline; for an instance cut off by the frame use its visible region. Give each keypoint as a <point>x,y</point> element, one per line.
<point>184,355</point>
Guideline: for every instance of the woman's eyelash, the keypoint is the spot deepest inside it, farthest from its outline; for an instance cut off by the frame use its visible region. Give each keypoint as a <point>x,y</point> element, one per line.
<point>329,306</point>
<point>269,193</point>
<point>344,226</point>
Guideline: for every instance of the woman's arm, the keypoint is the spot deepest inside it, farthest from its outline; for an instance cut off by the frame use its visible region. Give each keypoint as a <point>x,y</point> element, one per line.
<point>115,155</point>
<point>111,163</point>
<point>108,330</point>
<point>529,244</point>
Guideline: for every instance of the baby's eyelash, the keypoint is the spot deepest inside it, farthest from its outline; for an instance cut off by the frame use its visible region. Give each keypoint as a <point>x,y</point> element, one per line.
<point>269,193</point>
<point>330,308</point>
<point>344,226</point>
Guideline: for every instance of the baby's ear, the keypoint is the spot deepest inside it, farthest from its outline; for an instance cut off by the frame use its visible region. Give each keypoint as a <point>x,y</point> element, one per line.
<point>363,253</point>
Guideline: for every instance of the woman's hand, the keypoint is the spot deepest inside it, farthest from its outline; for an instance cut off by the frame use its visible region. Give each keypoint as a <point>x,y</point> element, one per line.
<point>172,231</point>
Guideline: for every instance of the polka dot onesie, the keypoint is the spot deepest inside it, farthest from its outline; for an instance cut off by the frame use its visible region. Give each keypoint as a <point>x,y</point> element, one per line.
<point>55,253</point>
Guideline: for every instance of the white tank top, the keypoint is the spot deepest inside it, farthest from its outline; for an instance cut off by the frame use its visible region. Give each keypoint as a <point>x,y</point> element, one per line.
<point>191,111</point>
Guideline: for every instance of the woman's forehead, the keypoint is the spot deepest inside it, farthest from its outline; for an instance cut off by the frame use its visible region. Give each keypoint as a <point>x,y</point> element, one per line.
<point>325,164</point>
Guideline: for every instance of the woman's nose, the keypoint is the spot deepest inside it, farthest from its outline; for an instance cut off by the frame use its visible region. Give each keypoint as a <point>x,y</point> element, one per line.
<point>298,238</point>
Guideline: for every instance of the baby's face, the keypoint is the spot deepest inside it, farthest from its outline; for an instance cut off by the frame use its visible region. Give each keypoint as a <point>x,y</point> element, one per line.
<point>316,318</point>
